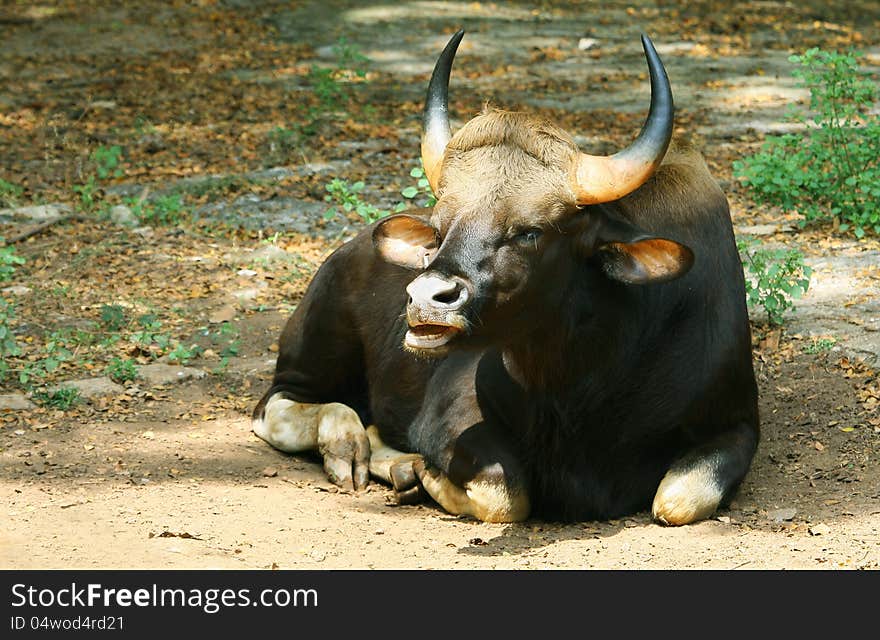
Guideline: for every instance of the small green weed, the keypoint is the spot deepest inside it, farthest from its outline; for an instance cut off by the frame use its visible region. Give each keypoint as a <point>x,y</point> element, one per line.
<point>113,317</point>
<point>122,370</point>
<point>106,163</point>
<point>347,196</point>
<point>165,210</point>
<point>183,354</point>
<point>10,193</point>
<point>8,345</point>
<point>63,398</point>
<point>420,193</point>
<point>819,345</point>
<point>8,261</point>
<point>774,278</point>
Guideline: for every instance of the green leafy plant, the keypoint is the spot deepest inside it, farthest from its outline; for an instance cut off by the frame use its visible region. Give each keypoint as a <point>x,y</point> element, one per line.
<point>106,163</point>
<point>63,398</point>
<point>818,345</point>
<point>328,83</point>
<point>10,193</point>
<point>88,193</point>
<point>331,92</point>
<point>774,278</point>
<point>150,337</point>
<point>8,345</point>
<point>8,260</point>
<point>214,186</point>
<point>106,160</point>
<point>113,317</point>
<point>830,171</point>
<point>347,196</point>
<point>122,370</point>
<point>420,193</point>
<point>183,354</point>
<point>228,333</point>
<point>164,210</point>
<point>56,350</point>
<point>349,59</point>
<point>285,140</point>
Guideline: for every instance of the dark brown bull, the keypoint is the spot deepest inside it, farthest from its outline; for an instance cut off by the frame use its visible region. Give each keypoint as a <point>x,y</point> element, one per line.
<point>565,335</point>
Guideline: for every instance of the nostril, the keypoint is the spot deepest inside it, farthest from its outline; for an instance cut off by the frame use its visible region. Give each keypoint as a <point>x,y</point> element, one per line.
<point>447,297</point>
<point>432,290</point>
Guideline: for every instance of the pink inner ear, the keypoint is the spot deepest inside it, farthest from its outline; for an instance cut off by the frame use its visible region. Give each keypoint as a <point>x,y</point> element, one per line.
<point>660,258</point>
<point>406,240</point>
<point>644,261</point>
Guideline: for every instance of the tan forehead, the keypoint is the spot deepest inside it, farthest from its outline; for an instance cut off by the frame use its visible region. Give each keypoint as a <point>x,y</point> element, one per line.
<point>503,184</point>
<point>503,210</point>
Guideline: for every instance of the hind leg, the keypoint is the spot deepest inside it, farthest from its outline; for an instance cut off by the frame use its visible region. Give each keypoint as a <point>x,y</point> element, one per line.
<point>705,478</point>
<point>333,429</point>
<point>489,496</point>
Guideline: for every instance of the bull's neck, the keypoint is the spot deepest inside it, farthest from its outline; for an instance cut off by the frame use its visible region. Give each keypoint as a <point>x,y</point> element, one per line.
<point>573,345</point>
<point>552,361</point>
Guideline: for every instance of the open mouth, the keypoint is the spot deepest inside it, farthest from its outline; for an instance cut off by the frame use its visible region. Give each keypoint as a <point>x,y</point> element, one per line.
<point>429,336</point>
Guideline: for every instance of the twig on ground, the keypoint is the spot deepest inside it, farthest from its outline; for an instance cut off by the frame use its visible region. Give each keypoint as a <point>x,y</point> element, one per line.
<point>40,228</point>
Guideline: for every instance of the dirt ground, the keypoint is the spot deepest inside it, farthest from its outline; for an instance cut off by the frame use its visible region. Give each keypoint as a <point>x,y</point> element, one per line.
<point>160,473</point>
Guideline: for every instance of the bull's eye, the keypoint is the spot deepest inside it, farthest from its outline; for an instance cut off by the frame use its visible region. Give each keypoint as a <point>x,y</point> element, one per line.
<point>528,237</point>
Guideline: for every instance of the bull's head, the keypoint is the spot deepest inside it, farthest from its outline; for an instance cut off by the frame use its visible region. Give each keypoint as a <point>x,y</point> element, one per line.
<point>514,196</point>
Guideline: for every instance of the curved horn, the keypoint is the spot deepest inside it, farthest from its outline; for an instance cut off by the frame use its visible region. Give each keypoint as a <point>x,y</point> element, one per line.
<point>605,178</point>
<point>435,118</point>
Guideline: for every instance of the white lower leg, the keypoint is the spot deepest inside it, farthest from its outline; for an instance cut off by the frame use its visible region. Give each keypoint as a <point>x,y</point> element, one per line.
<point>334,429</point>
<point>289,425</point>
<point>486,501</point>
<point>688,493</point>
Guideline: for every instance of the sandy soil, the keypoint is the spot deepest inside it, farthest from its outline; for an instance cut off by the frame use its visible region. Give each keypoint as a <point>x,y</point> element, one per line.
<point>205,492</point>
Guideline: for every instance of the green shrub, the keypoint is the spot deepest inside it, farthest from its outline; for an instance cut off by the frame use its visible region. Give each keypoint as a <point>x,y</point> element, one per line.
<point>106,160</point>
<point>831,171</point>
<point>774,278</point>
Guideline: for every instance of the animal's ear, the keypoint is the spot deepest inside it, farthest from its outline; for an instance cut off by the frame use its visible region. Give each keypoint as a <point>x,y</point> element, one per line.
<point>644,261</point>
<point>407,241</point>
<point>630,255</point>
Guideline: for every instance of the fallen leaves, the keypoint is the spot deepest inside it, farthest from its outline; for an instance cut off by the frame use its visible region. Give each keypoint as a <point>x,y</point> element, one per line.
<point>170,534</point>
